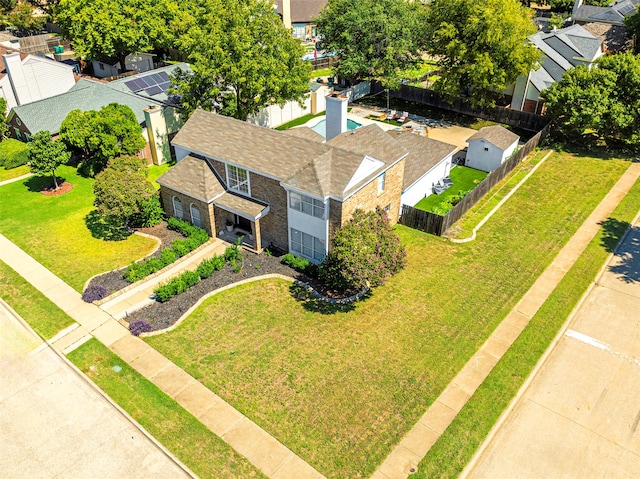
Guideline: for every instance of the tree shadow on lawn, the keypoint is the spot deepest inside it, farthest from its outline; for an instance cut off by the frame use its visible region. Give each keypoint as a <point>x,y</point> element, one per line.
<point>105,227</point>
<point>317,305</point>
<point>612,231</point>
<point>36,184</point>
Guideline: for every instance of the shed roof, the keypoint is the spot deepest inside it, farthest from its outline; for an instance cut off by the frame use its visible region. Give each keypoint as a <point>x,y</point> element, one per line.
<point>496,135</point>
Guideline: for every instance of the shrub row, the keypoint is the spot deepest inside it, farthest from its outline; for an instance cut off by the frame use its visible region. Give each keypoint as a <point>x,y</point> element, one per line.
<point>180,247</point>
<point>13,153</point>
<point>181,283</point>
<point>301,265</point>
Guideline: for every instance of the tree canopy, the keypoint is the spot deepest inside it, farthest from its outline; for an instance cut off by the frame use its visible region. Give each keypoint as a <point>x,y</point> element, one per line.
<point>602,103</point>
<point>3,119</point>
<point>374,39</point>
<point>22,17</point>
<point>481,46</point>
<point>632,23</point>
<point>122,188</point>
<point>243,46</point>
<point>102,135</point>
<point>46,155</point>
<point>115,28</point>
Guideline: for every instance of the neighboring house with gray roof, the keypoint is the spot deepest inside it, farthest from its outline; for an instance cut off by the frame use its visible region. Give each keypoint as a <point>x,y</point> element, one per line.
<point>560,50</point>
<point>289,189</point>
<point>613,14</point>
<point>159,121</point>
<point>490,147</point>
<point>300,16</point>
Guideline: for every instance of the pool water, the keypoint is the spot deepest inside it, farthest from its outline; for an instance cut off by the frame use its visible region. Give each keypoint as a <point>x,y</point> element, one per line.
<point>321,126</point>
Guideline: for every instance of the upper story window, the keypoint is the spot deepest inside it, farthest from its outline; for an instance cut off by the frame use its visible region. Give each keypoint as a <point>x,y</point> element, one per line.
<point>381,182</point>
<point>306,204</point>
<point>238,179</point>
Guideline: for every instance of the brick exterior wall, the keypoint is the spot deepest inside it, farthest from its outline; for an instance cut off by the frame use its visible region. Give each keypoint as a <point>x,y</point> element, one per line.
<point>13,124</point>
<point>206,210</point>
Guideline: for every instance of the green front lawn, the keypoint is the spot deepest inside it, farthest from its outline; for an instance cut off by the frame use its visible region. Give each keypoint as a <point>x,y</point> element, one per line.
<point>43,316</point>
<point>456,446</point>
<point>53,230</point>
<point>193,443</point>
<point>464,179</point>
<point>13,172</point>
<point>342,389</point>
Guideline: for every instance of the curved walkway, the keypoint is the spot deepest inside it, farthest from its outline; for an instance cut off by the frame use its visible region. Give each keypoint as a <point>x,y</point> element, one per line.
<point>247,438</point>
<point>404,459</point>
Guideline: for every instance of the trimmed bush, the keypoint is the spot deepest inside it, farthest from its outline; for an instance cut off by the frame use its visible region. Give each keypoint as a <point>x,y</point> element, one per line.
<point>301,265</point>
<point>94,292</point>
<point>177,285</point>
<point>13,153</point>
<point>210,266</point>
<point>139,326</point>
<point>179,248</point>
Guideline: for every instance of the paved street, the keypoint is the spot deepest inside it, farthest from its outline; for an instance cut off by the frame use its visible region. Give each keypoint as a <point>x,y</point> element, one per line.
<point>54,424</point>
<point>579,417</point>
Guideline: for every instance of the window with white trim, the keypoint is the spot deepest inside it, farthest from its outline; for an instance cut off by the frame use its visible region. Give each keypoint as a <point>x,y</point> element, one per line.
<point>307,245</point>
<point>177,207</point>
<point>195,215</point>
<point>306,204</point>
<point>381,182</point>
<point>18,135</point>
<point>238,179</point>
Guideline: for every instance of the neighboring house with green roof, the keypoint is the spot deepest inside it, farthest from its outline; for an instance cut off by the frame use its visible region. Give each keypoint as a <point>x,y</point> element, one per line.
<point>159,119</point>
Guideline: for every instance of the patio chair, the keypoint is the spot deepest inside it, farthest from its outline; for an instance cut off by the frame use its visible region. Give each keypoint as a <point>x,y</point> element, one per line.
<point>447,181</point>
<point>404,117</point>
<point>392,115</point>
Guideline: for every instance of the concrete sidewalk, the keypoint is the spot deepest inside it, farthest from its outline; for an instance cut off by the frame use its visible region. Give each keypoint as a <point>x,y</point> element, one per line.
<point>404,459</point>
<point>579,415</point>
<point>259,447</point>
<point>140,294</point>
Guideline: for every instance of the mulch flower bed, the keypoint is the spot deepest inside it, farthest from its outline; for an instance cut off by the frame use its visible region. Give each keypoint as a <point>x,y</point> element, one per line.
<point>163,315</point>
<point>113,281</point>
<point>65,187</point>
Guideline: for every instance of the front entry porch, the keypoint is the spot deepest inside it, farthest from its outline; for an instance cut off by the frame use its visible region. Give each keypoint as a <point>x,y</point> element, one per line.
<point>239,217</point>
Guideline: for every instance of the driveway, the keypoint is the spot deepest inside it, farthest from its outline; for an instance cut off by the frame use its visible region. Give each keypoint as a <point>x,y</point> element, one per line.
<point>54,424</point>
<point>580,415</point>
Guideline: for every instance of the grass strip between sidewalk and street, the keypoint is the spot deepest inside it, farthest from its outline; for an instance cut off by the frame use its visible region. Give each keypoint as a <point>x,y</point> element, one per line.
<point>455,448</point>
<point>191,441</point>
<point>42,315</point>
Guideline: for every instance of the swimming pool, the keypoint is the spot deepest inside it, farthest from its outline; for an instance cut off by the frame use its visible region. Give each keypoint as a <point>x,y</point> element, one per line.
<point>321,126</point>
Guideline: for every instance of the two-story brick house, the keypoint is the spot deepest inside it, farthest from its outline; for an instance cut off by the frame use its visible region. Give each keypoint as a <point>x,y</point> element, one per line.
<point>288,189</point>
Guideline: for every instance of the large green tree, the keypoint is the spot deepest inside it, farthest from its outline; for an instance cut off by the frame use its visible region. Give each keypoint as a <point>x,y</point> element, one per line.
<point>116,28</point>
<point>374,39</point>
<point>481,46</point>
<point>242,45</point>
<point>46,155</point>
<point>601,103</point>
<point>23,18</point>
<point>632,23</point>
<point>122,188</point>
<point>102,135</point>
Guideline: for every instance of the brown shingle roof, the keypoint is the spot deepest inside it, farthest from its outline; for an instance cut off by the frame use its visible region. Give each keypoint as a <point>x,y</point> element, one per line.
<point>496,135</point>
<point>305,132</point>
<point>303,11</point>
<point>298,162</point>
<point>194,178</point>
<point>424,154</point>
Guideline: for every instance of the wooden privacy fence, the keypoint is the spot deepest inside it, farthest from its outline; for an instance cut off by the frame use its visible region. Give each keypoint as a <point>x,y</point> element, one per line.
<point>438,225</point>
<point>507,116</point>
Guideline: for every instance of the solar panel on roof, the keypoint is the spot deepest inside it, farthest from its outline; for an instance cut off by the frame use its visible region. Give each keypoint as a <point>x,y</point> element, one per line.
<point>164,76</point>
<point>165,86</point>
<point>134,85</point>
<point>154,90</point>
<point>624,9</point>
<point>156,78</point>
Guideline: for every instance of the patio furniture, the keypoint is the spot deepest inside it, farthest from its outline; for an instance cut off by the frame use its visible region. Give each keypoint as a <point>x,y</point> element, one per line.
<point>392,115</point>
<point>404,117</point>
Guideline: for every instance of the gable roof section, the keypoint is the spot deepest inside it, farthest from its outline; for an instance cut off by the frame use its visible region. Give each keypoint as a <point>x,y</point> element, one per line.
<point>305,132</point>
<point>613,14</point>
<point>303,11</point>
<point>424,154</point>
<point>496,135</point>
<point>323,169</point>
<point>49,113</point>
<point>193,177</point>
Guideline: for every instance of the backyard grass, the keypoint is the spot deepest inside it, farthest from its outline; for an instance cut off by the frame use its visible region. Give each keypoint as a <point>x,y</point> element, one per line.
<point>154,172</point>
<point>341,389</point>
<point>53,230</point>
<point>455,448</point>
<point>180,432</point>
<point>13,172</point>
<point>299,121</point>
<point>464,179</point>
<point>464,227</point>
<point>321,72</point>
<point>43,316</point>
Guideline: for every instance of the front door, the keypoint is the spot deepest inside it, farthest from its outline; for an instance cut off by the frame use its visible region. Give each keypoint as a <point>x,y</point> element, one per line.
<point>243,223</point>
